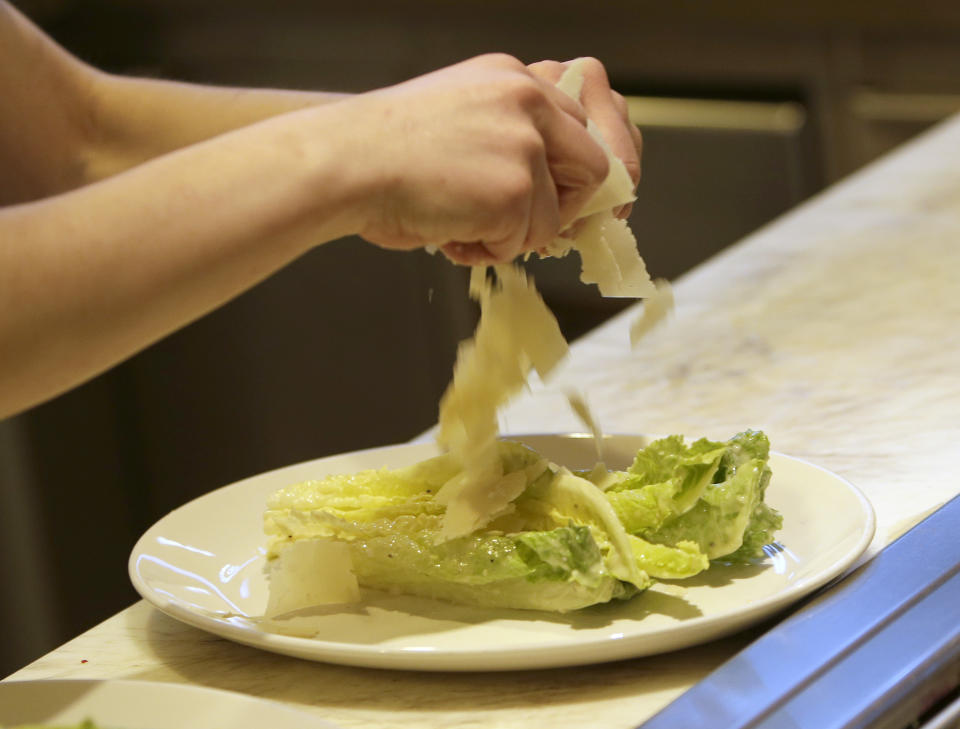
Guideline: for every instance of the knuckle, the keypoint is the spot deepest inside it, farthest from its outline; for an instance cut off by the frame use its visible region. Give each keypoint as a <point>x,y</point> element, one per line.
<point>550,69</point>
<point>503,60</point>
<point>620,104</point>
<point>593,66</point>
<point>590,171</point>
<point>525,92</point>
<point>515,192</point>
<point>504,250</point>
<point>530,144</point>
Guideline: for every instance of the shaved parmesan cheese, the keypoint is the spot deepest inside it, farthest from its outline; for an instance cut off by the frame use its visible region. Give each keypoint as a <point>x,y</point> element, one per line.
<point>617,188</point>
<point>607,248</point>
<point>474,500</point>
<point>597,262</point>
<point>557,248</point>
<point>609,258</point>
<point>655,310</point>
<point>580,408</point>
<point>571,82</point>
<point>311,572</point>
<point>516,333</point>
<point>533,325</point>
<point>634,280</point>
<point>601,477</point>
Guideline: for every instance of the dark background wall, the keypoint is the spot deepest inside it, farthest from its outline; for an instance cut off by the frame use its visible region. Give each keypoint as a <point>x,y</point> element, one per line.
<point>746,111</point>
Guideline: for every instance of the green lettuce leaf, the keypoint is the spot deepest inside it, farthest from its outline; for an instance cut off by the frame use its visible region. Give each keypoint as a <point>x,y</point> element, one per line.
<point>561,569</point>
<point>669,562</point>
<point>729,507</point>
<point>569,499</point>
<point>665,480</point>
<point>763,524</point>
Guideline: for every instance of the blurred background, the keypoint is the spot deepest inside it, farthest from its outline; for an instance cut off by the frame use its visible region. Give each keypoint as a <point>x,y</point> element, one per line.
<point>747,109</point>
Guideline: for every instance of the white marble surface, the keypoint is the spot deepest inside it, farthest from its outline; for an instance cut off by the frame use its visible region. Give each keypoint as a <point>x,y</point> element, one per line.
<point>836,329</point>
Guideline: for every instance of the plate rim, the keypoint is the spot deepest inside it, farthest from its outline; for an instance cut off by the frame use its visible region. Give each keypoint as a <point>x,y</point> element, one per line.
<point>526,656</point>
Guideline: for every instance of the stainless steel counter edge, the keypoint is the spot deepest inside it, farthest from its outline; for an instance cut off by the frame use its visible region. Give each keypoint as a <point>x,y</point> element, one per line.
<point>877,649</point>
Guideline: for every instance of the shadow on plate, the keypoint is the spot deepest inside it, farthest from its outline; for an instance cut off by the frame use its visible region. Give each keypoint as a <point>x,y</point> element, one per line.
<point>722,574</point>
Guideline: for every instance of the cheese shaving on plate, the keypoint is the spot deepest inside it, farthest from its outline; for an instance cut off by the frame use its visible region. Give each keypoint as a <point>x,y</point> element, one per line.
<point>311,572</point>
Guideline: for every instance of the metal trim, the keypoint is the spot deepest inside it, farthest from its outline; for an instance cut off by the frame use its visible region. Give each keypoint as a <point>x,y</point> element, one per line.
<point>810,670</point>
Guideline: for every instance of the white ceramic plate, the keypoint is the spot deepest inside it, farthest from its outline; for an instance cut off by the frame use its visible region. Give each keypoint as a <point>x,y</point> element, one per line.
<point>143,705</point>
<point>202,564</point>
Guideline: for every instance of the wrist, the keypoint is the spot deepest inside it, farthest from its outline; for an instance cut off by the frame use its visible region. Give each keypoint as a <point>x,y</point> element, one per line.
<point>345,169</point>
<point>315,162</point>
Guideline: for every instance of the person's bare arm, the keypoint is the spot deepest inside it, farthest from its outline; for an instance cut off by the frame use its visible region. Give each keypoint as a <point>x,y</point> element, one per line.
<point>470,158</point>
<point>138,119</point>
<point>43,113</point>
<point>91,276</point>
<point>65,124</point>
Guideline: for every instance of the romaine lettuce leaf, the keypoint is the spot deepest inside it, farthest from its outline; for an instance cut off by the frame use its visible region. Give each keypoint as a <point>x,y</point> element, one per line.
<point>569,499</point>
<point>668,562</point>
<point>666,479</point>
<point>763,524</point>
<point>561,569</point>
<point>719,520</point>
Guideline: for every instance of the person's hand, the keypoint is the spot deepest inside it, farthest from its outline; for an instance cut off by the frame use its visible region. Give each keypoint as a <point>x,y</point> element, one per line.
<point>608,109</point>
<point>484,159</point>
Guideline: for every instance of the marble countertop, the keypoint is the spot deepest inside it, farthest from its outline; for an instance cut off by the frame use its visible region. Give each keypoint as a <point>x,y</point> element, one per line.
<point>836,329</point>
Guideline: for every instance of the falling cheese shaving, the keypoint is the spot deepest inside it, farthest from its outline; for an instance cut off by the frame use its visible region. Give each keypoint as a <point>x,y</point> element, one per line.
<point>656,307</point>
<point>578,404</point>
<point>516,333</point>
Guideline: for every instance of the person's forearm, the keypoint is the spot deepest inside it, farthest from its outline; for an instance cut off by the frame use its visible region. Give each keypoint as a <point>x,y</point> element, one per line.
<point>65,124</point>
<point>139,119</point>
<point>89,277</point>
